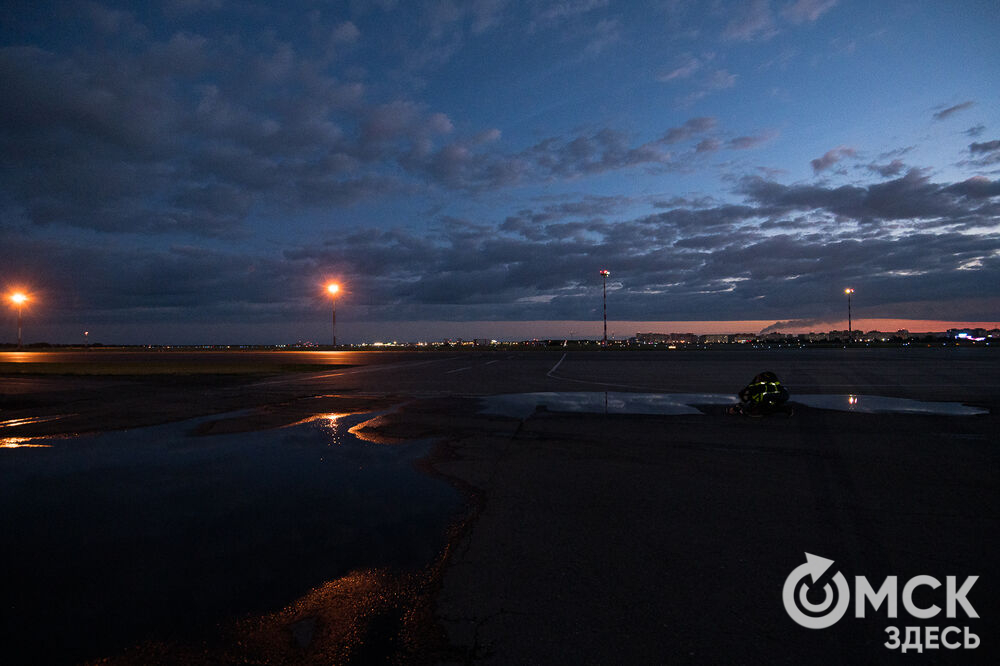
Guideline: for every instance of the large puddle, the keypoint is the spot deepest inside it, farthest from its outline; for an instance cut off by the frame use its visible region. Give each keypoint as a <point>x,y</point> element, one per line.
<point>119,537</point>
<point>522,405</point>
<point>878,404</point>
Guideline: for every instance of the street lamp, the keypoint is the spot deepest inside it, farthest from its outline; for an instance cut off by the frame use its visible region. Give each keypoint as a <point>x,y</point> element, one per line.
<point>850,330</point>
<point>333,288</point>
<point>605,274</point>
<point>19,300</point>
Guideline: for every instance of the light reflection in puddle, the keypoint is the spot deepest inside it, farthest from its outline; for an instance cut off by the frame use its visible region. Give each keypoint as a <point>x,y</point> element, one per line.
<point>28,420</point>
<point>329,422</point>
<point>523,405</point>
<point>125,529</point>
<point>22,443</point>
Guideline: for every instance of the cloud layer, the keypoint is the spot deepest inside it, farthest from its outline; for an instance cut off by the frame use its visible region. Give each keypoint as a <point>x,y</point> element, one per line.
<point>213,162</point>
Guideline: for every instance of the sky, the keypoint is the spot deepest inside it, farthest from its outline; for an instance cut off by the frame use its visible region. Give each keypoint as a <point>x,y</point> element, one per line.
<point>195,171</point>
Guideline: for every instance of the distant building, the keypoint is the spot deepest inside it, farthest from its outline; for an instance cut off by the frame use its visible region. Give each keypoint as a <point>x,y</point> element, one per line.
<point>666,338</point>
<point>715,339</point>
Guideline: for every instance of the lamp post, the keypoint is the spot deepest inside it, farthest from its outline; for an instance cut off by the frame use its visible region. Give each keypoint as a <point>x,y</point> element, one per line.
<point>18,299</point>
<point>605,274</point>
<point>850,329</point>
<point>333,288</point>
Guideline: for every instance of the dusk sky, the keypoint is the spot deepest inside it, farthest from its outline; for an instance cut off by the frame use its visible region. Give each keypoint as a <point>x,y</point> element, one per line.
<point>196,170</point>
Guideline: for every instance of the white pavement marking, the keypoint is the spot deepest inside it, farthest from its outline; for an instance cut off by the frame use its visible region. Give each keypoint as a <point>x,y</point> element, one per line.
<point>558,363</point>
<point>491,362</point>
<point>468,367</point>
<point>551,373</point>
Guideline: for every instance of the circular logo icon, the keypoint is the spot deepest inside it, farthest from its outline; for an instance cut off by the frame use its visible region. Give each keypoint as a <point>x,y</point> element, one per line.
<point>795,594</point>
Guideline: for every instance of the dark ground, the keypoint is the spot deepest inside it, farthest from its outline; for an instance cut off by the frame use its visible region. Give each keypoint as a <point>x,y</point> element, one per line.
<point>642,539</point>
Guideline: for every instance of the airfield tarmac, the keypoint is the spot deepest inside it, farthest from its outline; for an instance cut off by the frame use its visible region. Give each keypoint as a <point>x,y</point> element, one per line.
<point>606,538</point>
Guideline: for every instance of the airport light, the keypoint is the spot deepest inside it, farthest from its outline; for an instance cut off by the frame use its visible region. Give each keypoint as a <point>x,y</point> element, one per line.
<point>332,289</point>
<point>19,299</point>
<point>605,274</point>
<point>850,327</point>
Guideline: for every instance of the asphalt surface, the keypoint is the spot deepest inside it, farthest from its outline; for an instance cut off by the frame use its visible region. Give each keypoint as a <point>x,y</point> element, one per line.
<point>651,539</point>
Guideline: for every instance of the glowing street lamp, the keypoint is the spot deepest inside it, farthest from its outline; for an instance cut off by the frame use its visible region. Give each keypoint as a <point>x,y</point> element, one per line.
<point>605,274</point>
<point>19,299</point>
<point>850,330</point>
<point>332,289</point>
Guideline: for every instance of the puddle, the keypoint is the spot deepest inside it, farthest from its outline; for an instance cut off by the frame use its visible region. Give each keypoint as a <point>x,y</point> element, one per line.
<point>878,404</point>
<point>21,442</point>
<point>122,536</point>
<point>523,405</point>
<point>13,423</point>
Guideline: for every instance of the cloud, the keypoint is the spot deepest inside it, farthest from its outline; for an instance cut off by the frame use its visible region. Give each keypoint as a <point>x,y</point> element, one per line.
<point>779,253</point>
<point>911,197</point>
<point>754,23</point>
<point>720,79</point>
<point>987,147</point>
<point>605,33</point>
<point>690,128</point>
<point>708,146</point>
<point>708,82</point>
<point>951,110</point>
<point>345,33</point>
<point>894,168</point>
<point>988,152</point>
<point>156,140</point>
<point>487,14</point>
<point>831,157</point>
<point>558,12</point>
<point>115,22</point>
<point>803,11</point>
<point>751,141</point>
<point>467,164</point>
<point>797,325</point>
<point>684,68</point>
<point>715,261</point>
<point>975,130</point>
<point>603,150</point>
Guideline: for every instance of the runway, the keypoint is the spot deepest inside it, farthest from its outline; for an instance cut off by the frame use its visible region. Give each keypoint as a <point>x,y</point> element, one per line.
<point>621,538</point>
